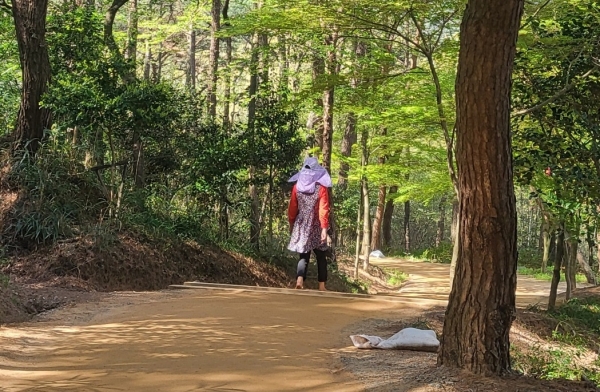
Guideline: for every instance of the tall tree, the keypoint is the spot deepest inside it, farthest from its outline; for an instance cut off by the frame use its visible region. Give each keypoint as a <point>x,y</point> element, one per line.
<point>228,59</point>
<point>30,25</point>
<point>329,98</point>
<point>215,26</point>
<point>132,32</point>
<point>252,188</point>
<point>481,306</point>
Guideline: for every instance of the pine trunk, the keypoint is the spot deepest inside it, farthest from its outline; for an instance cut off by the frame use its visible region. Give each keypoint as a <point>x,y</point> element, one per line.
<point>407,226</point>
<point>328,101</point>
<point>366,242</point>
<point>377,222</point>
<point>132,33</point>
<point>252,189</point>
<point>228,58</point>
<point>560,252</point>
<point>215,26</point>
<point>348,141</point>
<point>30,25</point>
<point>441,224</point>
<point>147,62</point>
<point>481,305</point>
<point>388,214</point>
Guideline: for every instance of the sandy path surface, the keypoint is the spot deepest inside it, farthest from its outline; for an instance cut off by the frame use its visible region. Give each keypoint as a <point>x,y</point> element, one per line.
<point>430,281</point>
<point>205,340</point>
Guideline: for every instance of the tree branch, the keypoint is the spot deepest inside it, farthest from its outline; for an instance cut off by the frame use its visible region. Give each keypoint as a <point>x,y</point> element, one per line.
<point>109,19</point>
<point>568,87</point>
<point>535,14</point>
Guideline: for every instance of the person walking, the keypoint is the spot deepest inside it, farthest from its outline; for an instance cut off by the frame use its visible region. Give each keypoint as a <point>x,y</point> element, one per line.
<point>308,215</point>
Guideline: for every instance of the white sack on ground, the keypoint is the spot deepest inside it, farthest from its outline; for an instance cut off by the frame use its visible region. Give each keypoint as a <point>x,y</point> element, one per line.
<point>377,253</point>
<point>407,339</point>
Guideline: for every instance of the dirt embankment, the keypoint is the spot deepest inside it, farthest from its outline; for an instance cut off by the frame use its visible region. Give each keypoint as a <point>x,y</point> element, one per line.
<point>72,271</point>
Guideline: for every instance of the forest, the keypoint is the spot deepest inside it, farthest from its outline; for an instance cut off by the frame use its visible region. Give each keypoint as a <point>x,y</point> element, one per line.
<point>149,124</point>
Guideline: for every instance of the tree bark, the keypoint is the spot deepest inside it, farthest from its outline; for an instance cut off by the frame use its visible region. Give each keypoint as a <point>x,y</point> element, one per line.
<point>377,222</point>
<point>348,141</point>
<point>228,59</point>
<point>388,214</point>
<point>147,62</point>
<point>191,74</point>
<point>481,305</point>
<point>366,242</point>
<point>350,136</point>
<point>441,224</point>
<point>328,100</point>
<point>215,26</point>
<point>406,225</point>
<point>252,189</point>
<point>546,234</point>
<point>560,251</point>
<point>128,75</point>
<point>30,25</point>
<point>132,33</point>
<point>586,268</point>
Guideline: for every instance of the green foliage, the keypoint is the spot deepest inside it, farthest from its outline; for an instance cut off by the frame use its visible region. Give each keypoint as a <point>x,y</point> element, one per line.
<point>546,276</point>
<point>395,277</point>
<point>10,78</point>
<point>440,254</point>
<point>577,330</point>
<point>584,312</point>
<point>59,200</point>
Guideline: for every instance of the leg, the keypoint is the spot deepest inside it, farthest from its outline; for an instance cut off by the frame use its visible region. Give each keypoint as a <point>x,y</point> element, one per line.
<point>302,269</point>
<point>322,267</point>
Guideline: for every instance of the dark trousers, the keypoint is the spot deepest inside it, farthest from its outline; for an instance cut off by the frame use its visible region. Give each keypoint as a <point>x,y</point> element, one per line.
<point>321,264</point>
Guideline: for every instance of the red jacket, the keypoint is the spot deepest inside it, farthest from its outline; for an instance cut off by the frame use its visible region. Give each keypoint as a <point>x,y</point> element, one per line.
<point>321,208</point>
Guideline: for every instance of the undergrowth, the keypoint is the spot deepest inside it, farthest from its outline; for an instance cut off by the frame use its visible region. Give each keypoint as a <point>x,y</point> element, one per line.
<point>536,273</point>
<point>395,277</point>
<point>573,330</point>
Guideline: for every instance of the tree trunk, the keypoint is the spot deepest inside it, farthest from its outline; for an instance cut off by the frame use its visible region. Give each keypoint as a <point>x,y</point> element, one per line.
<point>138,161</point>
<point>546,240</point>
<point>315,121</point>
<point>328,100</point>
<point>560,251</point>
<point>252,189</point>
<point>30,25</point>
<point>407,226</point>
<point>350,136</point>
<point>359,220</point>
<point>586,268</point>
<point>377,222</point>
<point>441,224</point>
<point>263,44</point>
<point>147,62</point>
<point>388,214</point>
<point>215,26</point>
<point>132,33</point>
<point>228,57</point>
<point>191,74</point>
<point>454,227</point>
<point>284,64</point>
<point>348,141</point>
<point>570,261</point>
<point>128,75</point>
<point>481,306</point>
<point>598,241</point>
<point>366,242</point>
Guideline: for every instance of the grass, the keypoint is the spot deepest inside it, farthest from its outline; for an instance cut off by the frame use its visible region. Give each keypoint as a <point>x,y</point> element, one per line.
<point>395,277</point>
<point>536,273</point>
<point>574,331</point>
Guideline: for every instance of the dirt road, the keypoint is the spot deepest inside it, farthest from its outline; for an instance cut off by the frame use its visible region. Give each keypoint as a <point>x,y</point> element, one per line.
<point>205,340</point>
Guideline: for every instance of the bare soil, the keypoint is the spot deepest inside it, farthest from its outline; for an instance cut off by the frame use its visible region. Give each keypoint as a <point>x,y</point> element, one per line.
<point>93,340</point>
